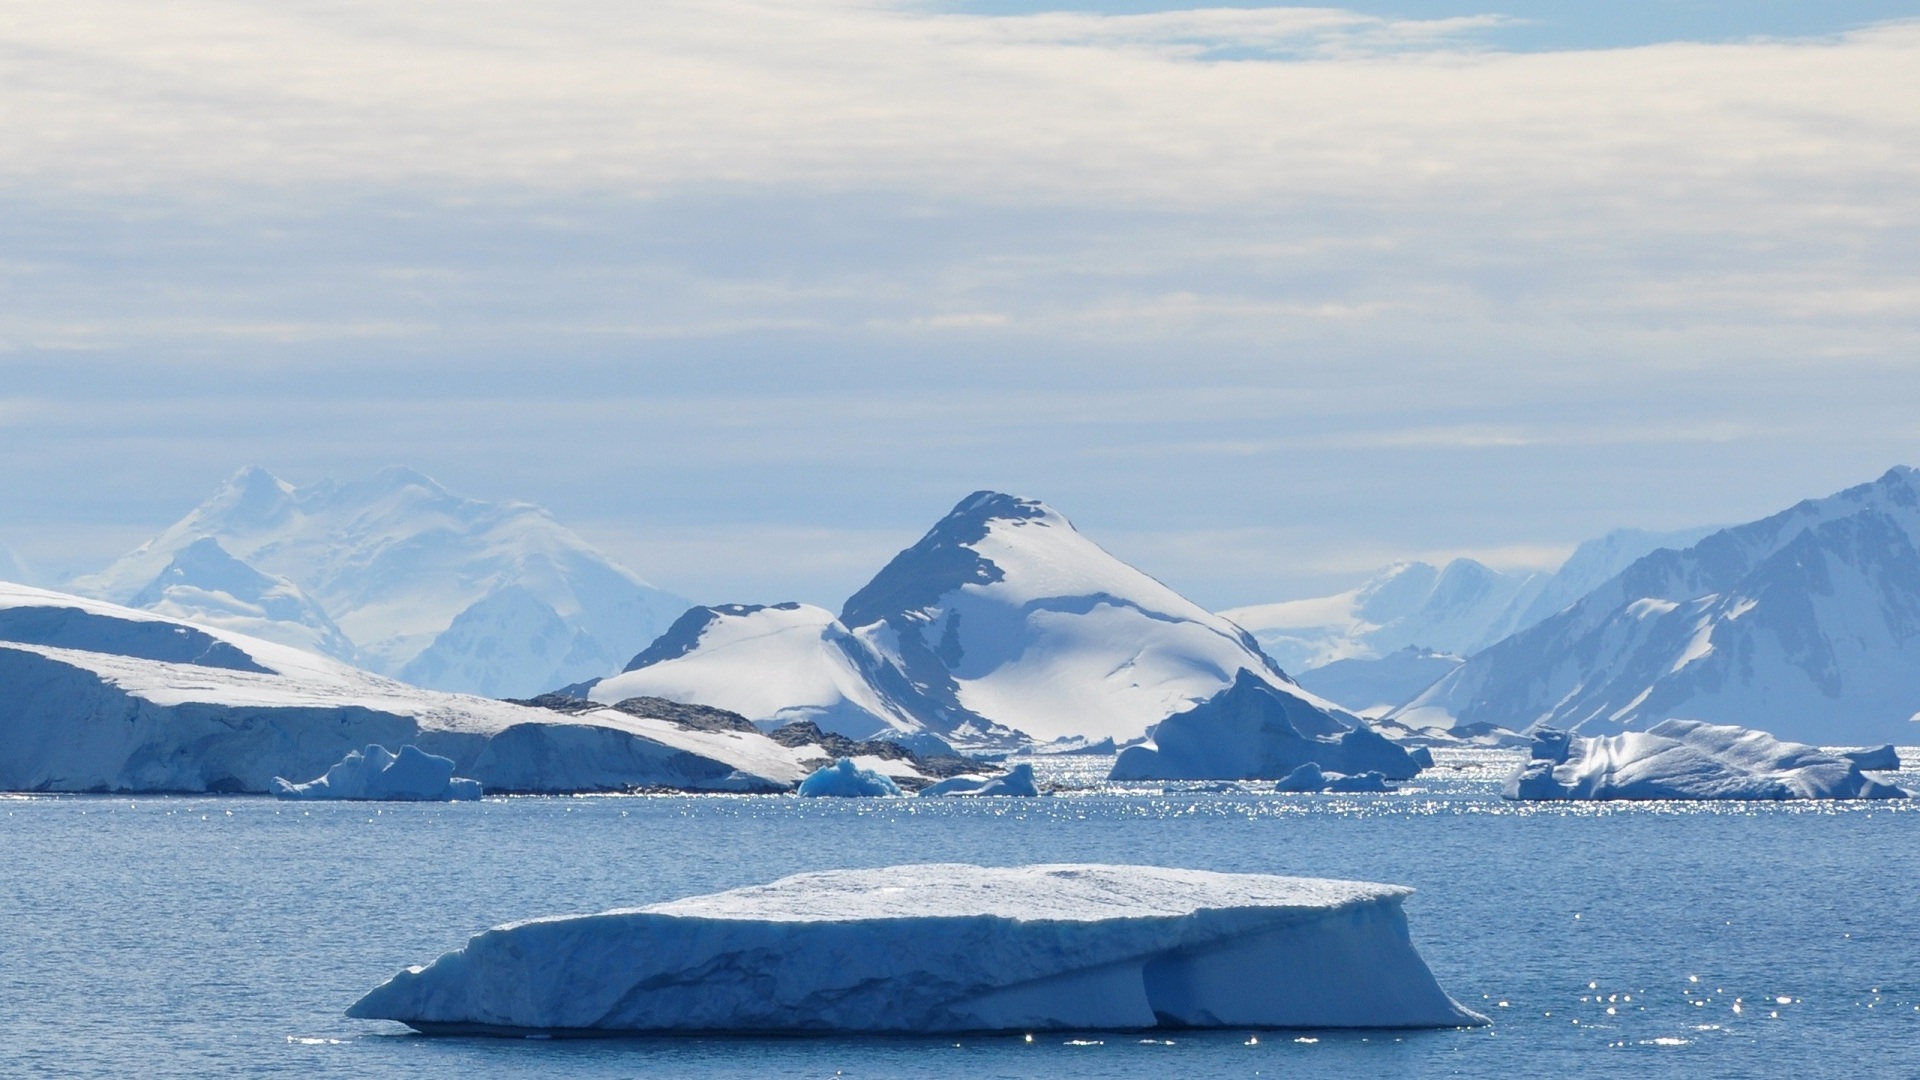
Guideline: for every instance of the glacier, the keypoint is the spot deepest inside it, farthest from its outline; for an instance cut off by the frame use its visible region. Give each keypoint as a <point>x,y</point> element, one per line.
<point>1688,759</point>
<point>458,594</point>
<point>1251,732</point>
<point>945,948</point>
<point>376,773</point>
<point>845,779</point>
<point>98,697</point>
<point>1017,781</point>
<point>1805,624</point>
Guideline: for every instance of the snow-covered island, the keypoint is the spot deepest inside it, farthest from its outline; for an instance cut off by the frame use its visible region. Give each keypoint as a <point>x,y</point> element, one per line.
<point>945,948</point>
<point>1688,759</point>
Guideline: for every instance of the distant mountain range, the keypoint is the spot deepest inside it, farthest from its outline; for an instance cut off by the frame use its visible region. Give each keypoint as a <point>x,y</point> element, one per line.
<point>1457,609</point>
<point>1002,621</point>
<point>400,576</point>
<point>1805,624</point>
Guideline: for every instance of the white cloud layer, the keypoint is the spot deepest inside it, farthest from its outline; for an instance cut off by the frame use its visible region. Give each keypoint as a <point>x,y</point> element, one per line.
<point>588,94</point>
<point>1268,290</point>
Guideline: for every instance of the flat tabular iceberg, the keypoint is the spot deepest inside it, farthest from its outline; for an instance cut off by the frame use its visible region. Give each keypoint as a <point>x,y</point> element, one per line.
<point>1688,759</point>
<point>412,775</point>
<point>936,948</point>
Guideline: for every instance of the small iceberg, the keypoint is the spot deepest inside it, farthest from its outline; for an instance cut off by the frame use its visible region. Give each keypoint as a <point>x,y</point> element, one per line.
<point>1251,731</point>
<point>843,779</point>
<point>945,948</point>
<point>1310,778</point>
<point>1017,781</point>
<point>375,773</point>
<point>1688,759</point>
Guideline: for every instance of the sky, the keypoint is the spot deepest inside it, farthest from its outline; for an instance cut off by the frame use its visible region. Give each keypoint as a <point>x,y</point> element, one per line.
<point>750,292</point>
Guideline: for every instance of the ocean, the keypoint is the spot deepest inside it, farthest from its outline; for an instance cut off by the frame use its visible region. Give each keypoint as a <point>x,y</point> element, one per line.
<point>197,935</point>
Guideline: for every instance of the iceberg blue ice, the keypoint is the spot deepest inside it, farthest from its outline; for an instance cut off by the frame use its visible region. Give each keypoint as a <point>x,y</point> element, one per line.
<point>1688,759</point>
<point>412,775</point>
<point>844,779</point>
<point>943,948</point>
<point>1015,781</point>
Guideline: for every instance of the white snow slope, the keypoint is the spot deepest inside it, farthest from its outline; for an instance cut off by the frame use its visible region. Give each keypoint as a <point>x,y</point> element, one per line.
<point>446,592</point>
<point>203,584</point>
<point>1805,624</point>
<point>1004,615</point>
<point>1003,622</point>
<point>1459,609</point>
<point>97,697</point>
<point>1686,759</point>
<point>946,948</point>
<point>774,665</point>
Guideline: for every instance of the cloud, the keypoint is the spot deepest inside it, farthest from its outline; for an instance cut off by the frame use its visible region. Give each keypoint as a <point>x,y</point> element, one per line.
<point>825,264</point>
<point>835,94</point>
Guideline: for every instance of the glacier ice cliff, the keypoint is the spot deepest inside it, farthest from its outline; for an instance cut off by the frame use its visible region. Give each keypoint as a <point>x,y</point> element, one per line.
<point>97,697</point>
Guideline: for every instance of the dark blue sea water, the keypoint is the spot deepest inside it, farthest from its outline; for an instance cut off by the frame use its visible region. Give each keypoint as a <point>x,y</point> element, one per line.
<point>223,936</point>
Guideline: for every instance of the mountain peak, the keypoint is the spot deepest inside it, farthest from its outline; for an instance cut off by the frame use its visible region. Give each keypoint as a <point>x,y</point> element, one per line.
<point>253,495</point>
<point>944,559</point>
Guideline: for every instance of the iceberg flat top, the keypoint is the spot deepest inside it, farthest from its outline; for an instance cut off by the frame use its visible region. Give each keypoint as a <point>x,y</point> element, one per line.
<point>1061,892</point>
<point>946,947</point>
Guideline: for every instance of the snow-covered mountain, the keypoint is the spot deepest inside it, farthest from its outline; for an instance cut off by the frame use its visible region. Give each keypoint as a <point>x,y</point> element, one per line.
<point>775,665</point>
<point>98,697</point>
<point>1458,609</point>
<point>1002,622</point>
<point>448,592</point>
<point>1805,624</point>
<point>203,584</point>
<point>1374,687</point>
<point>1448,609</point>
<point>1005,614</point>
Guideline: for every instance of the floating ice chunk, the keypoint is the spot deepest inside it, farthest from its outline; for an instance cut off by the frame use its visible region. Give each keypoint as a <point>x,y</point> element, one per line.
<point>844,779</point>
<point>1311,778</point>
<point>1879,759</point>
<point>1250,731</point>
<point>1015,781</point>
<point>377,773</point>
<point>943,948</point>
<point>1687,759</point>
